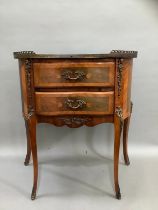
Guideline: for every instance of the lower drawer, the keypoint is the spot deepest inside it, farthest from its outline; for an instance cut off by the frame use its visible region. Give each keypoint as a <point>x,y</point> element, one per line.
<point>65,103</point>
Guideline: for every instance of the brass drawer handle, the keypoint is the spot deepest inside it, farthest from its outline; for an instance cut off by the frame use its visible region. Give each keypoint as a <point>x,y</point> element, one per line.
<point>73,75</point>
<point>75,103</point>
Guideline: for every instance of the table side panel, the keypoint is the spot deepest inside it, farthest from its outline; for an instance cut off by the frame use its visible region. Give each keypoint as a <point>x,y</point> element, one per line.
<point>126,89</point>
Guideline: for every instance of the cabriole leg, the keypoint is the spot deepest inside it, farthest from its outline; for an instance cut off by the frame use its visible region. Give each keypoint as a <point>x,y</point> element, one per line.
<point>125,137</point>
<point>32,131</point>
<point>125,140</point>
<point>28,155</point>
<point>118,128</point>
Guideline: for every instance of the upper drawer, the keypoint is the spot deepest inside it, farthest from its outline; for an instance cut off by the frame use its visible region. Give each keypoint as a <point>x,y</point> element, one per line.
<point>71,73</point>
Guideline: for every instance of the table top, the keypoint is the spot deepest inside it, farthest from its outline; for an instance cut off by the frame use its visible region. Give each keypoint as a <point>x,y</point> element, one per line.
<point>112,54</point>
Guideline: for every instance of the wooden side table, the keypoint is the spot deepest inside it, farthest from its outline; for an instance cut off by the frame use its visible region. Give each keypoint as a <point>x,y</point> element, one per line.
<point>76,90</point>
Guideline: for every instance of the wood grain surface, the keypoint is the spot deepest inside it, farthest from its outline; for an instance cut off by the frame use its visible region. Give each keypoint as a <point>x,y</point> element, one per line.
<point>49,103</point>
<point>71,73</point>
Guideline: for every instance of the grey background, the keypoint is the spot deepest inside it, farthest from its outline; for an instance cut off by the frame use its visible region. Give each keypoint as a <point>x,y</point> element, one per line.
<point>79,26</point>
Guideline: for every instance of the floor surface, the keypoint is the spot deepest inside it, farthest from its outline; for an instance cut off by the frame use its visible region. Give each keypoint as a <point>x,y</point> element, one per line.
<point>79,183</point>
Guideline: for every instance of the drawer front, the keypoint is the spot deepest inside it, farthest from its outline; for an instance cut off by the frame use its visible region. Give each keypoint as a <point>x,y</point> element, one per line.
<point>95,103</point>
<point>71,73</point>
